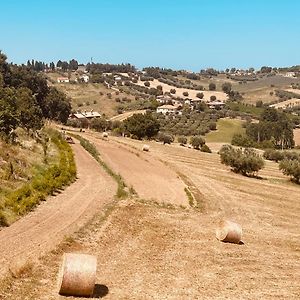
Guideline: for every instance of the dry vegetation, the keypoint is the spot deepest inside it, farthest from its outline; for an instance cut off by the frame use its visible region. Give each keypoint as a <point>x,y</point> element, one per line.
<point>149,250</point>
<point>87,96</point>
<point>191,93</point>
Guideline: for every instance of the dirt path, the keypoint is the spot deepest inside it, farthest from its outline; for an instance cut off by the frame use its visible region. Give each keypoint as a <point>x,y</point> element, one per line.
<point>150,178</point>
<point>42,229</point>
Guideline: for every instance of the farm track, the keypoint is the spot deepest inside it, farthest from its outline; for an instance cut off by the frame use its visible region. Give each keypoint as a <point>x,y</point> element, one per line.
<point>150,178</point>
<point>44,228</point>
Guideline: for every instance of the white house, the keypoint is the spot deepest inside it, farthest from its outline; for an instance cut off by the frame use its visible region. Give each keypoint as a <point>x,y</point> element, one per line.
<point>167,109</point>
<point>85,115</point>
<point>63,80</point>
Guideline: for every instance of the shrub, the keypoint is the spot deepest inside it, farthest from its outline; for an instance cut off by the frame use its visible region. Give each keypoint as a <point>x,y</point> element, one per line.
<point>182,140</point>
<point>185,94</point>
<point>291,167</point>
<point>172,91</point>
<point>212,86</point>
<point>242,140</point>
<point>200,95</point>
<point>205,148</point>
<point>213,98</point>
<point>212,126</point>
<point>197,142</point>
<point>246,162</point>
<point>147,83</point>
<point>275,155</point>
<point>165,138</point>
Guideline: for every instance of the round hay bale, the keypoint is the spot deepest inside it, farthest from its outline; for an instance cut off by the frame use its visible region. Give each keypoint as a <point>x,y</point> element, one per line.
<point>77,275</point>
<point>146,148</point>
<point>229,232</point>
<point>105,134</point>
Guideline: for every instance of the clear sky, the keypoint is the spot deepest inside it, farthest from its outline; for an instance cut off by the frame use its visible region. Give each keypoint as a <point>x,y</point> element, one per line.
<point>179,34</point>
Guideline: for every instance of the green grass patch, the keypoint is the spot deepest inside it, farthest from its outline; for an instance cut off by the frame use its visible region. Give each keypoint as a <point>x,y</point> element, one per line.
<point>190,196</point>
<point>226,128</point>
<point>245,108</point>
<point>48,180</point>
<point>88,146</point>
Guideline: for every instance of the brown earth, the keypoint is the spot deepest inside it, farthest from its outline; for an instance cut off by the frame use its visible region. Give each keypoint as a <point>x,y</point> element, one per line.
<point>150,178</point>
<point>60,216</point>
<point>148,251</point>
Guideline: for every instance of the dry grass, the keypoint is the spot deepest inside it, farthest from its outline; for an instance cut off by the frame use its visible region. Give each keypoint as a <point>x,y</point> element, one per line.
<point>147,251</point>
<point>192,93</point>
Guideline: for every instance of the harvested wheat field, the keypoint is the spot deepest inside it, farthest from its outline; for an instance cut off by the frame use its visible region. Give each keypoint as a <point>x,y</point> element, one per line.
<point>148,250</point>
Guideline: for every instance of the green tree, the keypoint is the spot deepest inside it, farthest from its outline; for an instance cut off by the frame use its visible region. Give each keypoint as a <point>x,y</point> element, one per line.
<point>226,87</point>
<point>73,65</point>
<point>8,111</point>
<point>182,140</point>
<point>291,167</point>
<point>200,95</point>
<point>58,105</point>
<point>246,162</point>
<point>197,142</point>
<point>142,125</point>
<point>212,86</point>
<point>29,113</point>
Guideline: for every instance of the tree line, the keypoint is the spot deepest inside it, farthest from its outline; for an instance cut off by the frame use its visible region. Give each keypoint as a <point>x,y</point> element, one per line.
<point>26,100</point>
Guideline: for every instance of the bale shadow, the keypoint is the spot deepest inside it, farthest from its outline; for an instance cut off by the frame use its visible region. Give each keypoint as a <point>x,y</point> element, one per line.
<point>100,291</point>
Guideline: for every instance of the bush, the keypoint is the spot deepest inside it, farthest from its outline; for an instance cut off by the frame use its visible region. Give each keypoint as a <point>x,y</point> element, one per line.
<point>242,140</point>
<point>213,98</point>
<point>212,86</point>
<point>274,155</point>
<point>182,140</point>
<point>172,91</point>
<point>147,83</point>
<point>246,162</point>
<point>277,155</point>
<point>197,142</point>
<point>291,167</point>
<point>165,138</point>
<point>205,148</point>
<point>185,94</point>
<point>200,95</point>
<point>212,126</point>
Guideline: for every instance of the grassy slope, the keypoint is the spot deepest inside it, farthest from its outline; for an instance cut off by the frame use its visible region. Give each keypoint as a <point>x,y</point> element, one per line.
<point>90,96</point>
<point>226,128</point>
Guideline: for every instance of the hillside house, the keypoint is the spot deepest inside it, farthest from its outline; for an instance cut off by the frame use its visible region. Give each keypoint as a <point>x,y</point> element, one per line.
<point>63,80</point>
<point>216,104</point>
<point>88,115</point>
<point>167,109</point>
<point>163,99</point>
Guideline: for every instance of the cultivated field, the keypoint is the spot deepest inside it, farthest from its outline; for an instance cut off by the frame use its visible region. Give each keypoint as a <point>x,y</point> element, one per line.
<point>147,249</point>
<point>192,93</point>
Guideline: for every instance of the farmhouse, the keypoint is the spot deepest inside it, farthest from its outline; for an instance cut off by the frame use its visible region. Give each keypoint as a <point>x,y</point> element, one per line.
<point>163,99</point>
<point>85,115</point>
<point>216,104</point>
<point>167,109</point>
<point>63,80</point>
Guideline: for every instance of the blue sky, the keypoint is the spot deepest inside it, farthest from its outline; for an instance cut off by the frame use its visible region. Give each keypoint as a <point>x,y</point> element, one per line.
<point>179,34</point>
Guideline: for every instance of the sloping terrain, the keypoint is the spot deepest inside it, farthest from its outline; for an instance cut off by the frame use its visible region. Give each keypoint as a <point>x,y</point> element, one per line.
<point>45,227</point>
<point>148,251</point>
